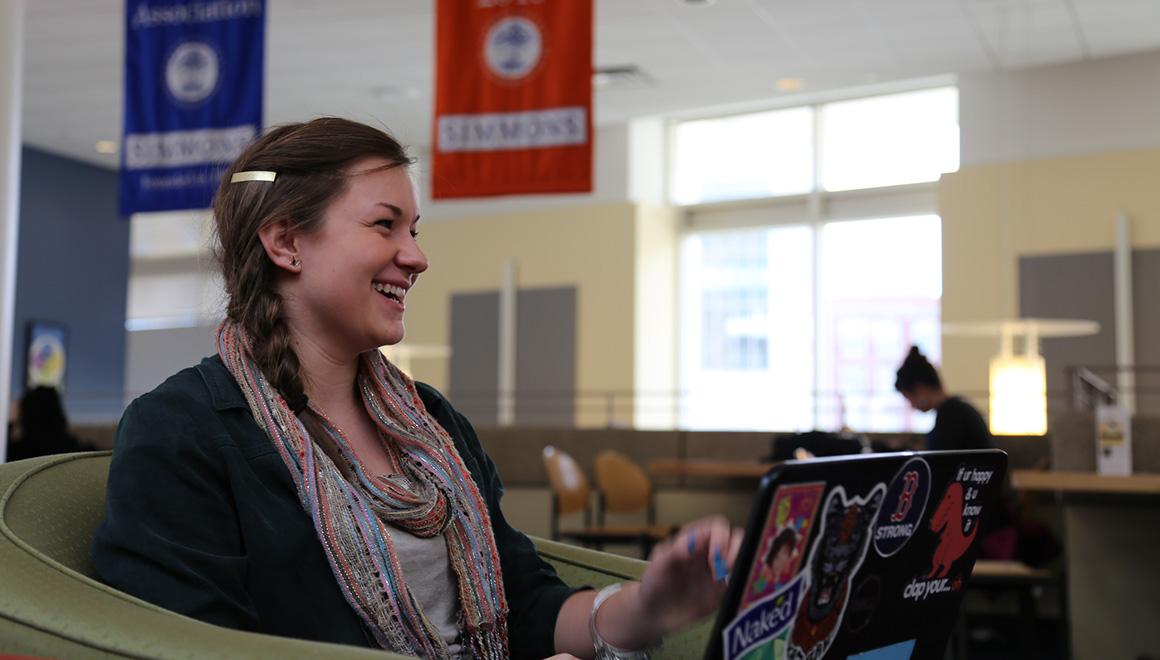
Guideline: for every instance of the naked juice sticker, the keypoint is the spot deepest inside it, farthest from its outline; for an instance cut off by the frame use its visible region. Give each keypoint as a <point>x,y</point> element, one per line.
<point>771,593</point>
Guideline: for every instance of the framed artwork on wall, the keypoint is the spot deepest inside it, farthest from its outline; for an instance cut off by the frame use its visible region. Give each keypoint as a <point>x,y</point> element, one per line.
<point>47,354</point>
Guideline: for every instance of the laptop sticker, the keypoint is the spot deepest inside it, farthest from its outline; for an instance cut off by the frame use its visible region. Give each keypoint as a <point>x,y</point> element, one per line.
<point>758,633</point>
<point>864,603</point>
<point>847,524</point>
<point>783,540</point>
<point>899,651</point>
<point>902,510</point>
<point>955,521</point>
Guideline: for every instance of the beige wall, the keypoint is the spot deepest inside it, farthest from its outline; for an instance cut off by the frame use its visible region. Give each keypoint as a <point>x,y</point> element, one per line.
<point>656,317</point>
<point>1086,107</point>
<point>588,246</point>
<point>993,214</point>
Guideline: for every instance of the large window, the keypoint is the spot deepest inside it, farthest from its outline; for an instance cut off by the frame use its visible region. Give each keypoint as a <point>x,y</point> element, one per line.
<point>174,280</point>
<point>755,155</point>
<point>879,287</point>
<point>887,140</point>
<point>797,310</point>
<point>747,331</point>
<point>775,341</point>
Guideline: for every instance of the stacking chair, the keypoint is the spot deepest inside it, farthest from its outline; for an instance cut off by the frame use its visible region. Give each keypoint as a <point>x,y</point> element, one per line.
<point>570,490</point>
<point>625,488</point>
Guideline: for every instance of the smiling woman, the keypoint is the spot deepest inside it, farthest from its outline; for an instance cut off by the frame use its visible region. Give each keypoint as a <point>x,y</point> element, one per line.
<point>297,483</point>
<point>371,229</point>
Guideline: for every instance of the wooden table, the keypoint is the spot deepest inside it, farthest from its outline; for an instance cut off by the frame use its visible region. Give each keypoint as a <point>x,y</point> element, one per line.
<point>1085,483</point>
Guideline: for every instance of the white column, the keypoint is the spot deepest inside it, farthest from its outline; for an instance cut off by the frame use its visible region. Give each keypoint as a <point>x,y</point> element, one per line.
<point>1125,318</point>
<point>509,287</point>
<point>11,98</point>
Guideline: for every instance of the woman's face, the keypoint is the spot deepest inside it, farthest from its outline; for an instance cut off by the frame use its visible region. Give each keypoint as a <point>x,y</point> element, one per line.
<point>920,398</point>
<point>782,559</point>
<point>350,293</point>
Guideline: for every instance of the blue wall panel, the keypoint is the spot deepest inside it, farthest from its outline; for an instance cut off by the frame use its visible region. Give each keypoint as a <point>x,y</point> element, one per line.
<point>73,267</point>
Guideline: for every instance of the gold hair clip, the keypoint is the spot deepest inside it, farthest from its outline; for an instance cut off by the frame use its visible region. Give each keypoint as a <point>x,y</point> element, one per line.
<point>253,175</point>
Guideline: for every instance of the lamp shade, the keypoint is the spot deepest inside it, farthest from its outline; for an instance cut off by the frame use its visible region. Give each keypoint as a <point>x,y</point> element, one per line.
<point>1018,395</point>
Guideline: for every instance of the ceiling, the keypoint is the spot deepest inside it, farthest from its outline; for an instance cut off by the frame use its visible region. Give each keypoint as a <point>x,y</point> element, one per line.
<point>373,59</point>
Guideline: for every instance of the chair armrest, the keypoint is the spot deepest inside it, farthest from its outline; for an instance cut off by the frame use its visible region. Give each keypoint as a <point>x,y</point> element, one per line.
<point>594,568</point>
<point>48,609</point>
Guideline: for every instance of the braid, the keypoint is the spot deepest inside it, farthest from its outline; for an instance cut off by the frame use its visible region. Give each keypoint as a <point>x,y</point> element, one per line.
<point>255,305</point>
<point>272,347</point>
<point>274,354</point>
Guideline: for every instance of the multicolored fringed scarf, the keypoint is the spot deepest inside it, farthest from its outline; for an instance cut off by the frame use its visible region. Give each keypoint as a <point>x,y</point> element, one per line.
<point>351,517</point>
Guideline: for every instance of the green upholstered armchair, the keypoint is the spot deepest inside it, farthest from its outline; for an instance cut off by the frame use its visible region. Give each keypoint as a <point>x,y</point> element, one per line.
<point>50,604</point>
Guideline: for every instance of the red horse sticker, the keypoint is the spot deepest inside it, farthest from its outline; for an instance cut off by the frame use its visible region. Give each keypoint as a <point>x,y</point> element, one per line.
<point>947,522</point>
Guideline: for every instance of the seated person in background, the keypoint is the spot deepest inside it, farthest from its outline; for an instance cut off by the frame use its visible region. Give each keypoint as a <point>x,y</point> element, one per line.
<point>957,425</point>
<point>42,428</point>
<point>299,484</point>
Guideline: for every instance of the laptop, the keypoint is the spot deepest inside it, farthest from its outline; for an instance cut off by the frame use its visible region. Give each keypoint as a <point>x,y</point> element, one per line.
<point>858,557</point>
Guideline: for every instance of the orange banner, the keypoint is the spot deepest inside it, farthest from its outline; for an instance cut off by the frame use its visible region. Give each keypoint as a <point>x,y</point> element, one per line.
<point>513,98</point>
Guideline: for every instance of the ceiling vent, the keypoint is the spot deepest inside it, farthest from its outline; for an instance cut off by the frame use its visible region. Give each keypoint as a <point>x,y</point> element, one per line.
<point>620,77</point>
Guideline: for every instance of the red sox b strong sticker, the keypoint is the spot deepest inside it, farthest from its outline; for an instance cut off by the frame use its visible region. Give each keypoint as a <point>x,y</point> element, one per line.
<point>903,508</point>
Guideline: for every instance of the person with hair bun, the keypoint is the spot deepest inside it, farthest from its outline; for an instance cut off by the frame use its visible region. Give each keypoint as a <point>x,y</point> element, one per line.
<point>958,425</point>
<point>299,484</point>
<point>1007,533</point>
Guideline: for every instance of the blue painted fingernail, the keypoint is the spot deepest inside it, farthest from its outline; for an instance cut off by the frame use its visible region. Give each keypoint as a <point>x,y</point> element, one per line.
<point>692,542</point>
<point>720,571</point>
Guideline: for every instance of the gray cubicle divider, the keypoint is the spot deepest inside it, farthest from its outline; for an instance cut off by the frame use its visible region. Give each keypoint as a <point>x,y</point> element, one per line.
<point>545,356</point>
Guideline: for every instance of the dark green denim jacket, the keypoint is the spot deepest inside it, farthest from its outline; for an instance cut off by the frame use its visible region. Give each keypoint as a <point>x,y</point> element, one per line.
<point>203,519</point>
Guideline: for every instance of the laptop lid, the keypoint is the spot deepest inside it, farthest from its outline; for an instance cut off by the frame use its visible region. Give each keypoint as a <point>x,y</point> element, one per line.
<point>861,557</point>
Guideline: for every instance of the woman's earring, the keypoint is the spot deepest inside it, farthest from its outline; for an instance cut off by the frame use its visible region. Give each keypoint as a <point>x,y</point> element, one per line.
<point>295,261</point>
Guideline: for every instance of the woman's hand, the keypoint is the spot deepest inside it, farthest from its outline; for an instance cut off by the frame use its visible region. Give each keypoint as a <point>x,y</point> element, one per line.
<point>683,583</point>
<point>686,574</point>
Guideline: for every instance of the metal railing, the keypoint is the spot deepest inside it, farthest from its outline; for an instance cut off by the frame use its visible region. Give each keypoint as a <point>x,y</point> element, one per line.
<point>1088,390</point>
<point>1093,385</point>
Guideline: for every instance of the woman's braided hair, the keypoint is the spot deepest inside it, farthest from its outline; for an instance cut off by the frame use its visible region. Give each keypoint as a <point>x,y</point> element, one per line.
<point>312,161</point>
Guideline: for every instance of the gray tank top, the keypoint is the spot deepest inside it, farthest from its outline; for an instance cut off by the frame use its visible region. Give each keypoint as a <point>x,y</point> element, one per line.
<point>428,573</point>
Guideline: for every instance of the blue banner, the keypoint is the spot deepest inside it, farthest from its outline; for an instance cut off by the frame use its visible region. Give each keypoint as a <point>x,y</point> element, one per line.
<point>193,98</point>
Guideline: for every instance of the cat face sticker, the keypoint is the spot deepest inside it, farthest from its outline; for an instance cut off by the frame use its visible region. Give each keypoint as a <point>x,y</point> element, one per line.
<point>841,545</point>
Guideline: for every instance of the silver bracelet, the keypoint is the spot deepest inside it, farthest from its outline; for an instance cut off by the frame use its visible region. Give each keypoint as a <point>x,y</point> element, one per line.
<point>604,650</point>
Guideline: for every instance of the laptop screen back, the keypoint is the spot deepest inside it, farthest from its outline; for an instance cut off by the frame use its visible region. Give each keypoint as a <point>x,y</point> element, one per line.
<point>862,557</point>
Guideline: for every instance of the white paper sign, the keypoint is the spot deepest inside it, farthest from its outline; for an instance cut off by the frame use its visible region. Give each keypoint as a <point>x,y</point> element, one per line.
<point>1113,440</point>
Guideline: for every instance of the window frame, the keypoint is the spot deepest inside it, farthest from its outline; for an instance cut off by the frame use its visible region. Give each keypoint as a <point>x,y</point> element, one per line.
<point>816,104</point>
<point>815,209</point>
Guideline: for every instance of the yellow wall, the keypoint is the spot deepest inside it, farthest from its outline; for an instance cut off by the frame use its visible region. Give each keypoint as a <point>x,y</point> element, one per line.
<point>993,214</point>
<point>589,246</point>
